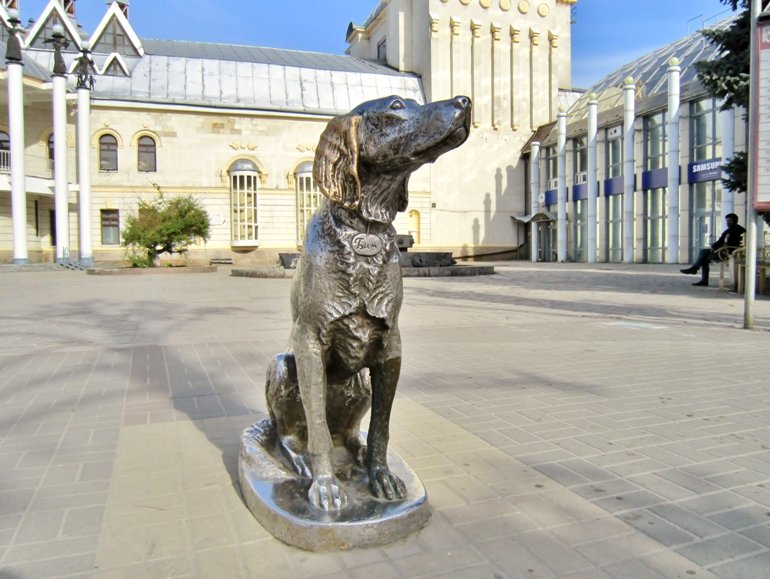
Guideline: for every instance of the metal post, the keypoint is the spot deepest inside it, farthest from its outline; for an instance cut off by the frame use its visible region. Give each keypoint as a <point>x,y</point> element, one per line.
<point>593,106</point>
<point>672,255</point>
<point>535,193</point>
<point>751,215</point>
<point>16,129</point>
<point>629,89</point>
<point>561,194</point>
<point>61,193</point>
<point>85,71</point>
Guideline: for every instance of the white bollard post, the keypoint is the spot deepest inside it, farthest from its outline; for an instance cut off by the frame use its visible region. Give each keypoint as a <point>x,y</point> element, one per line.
<point>629,89</point>
<point>561,194</point>
<point>592,186</point>
<point>672,245</point>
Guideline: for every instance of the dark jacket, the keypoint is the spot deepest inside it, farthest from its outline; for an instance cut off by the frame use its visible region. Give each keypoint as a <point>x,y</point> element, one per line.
<point>731,237</point>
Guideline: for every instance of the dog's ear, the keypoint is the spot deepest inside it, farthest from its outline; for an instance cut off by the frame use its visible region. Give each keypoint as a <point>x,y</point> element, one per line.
<point>403,195</point>
<point>335,169</point>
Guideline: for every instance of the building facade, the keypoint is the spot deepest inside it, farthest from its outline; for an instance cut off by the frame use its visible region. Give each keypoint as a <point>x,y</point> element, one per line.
<point>236,126</point>
<point>640,178</point>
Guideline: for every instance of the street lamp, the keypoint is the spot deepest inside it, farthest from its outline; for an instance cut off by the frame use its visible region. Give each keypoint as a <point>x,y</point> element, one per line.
<point>13,47</point>
<point>85,67</point>
<point>59,43</point>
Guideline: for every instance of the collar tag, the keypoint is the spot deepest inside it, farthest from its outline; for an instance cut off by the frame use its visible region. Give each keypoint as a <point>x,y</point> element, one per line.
<point>366,244</point>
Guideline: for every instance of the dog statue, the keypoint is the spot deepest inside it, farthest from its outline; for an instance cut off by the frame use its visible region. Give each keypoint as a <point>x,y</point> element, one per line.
<point>344,352</point>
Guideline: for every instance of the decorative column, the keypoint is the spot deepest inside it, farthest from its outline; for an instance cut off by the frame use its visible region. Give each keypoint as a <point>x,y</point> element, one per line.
<point>592,182</point>
<point>534,190</point>
<point>61,204</point>
<point>514,32</point>
<point>476,72</point>
<point>629,88</point>
<point>496,100</point>
<point>455,61</point>
<point>561,193</point>
<point>85,72</point>
<point>672,254</point>
<point>14,66</point>
<point>534,70</point>
<point>727,118</point>
<point>553,72</point>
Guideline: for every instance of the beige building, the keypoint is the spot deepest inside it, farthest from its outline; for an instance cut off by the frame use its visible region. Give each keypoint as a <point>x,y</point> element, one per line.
<point>236,126</point>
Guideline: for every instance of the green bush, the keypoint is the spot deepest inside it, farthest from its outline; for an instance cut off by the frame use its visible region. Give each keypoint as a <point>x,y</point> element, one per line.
<point>163,226</point>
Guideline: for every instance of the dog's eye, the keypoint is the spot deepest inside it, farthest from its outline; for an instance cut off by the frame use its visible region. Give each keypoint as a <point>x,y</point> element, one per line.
<point>397,105</point>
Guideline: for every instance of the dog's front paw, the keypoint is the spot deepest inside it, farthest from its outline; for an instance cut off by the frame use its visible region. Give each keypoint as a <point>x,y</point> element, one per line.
<point>326,493</point>
<point>385,485</point>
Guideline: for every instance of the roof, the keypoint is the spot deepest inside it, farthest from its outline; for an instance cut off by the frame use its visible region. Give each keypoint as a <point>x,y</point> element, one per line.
<point>264,55</point>
<point>649,73</point>
<point>245,77</point>
<point>31,67</point>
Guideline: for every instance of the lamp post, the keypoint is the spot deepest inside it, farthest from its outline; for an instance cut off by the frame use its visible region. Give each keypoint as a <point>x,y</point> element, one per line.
<point>14,65</point>
<point>85,72</point>
<point>61,203</point>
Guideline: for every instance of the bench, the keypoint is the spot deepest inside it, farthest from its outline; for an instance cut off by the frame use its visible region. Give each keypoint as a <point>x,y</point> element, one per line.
<point>763,263</point>
<point>221,261</point>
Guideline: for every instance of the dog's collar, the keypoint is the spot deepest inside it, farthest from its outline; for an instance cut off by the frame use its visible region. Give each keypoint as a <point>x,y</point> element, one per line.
<point>355,221</point>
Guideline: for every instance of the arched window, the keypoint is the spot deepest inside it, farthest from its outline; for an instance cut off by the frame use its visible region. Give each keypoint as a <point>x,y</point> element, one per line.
<point>244,186</point>
<point>51,154</point>
<point>108,153</point>
<point>308,197</point>
<point>147,155</point>
<point>5,152</point>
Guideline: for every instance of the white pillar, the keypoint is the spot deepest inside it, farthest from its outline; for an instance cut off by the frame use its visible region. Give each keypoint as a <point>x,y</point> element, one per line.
<point>672,245</point>
<point>61,192</point>
<point>629,88</point>
<point>18,171</point>
<point>534,187</point>
<point>727,118</point>
<point>84,175</point>
<point>561,194</point>
<point>592,178</point>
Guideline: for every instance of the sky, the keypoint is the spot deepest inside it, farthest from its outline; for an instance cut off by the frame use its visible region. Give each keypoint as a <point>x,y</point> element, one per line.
<point>606,34</point>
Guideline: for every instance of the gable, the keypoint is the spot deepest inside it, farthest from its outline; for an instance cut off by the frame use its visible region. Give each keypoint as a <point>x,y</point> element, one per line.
<point>52,15</point>
<point>114,34</point>
<point>114,38</point>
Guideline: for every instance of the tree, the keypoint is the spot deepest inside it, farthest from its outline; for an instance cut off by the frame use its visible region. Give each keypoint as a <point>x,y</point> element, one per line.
<point>164,226</point>
<point>727,77</point>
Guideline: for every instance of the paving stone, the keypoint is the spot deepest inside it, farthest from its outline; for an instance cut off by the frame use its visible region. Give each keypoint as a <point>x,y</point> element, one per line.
<point>495,433</point>
<point>720,549</point>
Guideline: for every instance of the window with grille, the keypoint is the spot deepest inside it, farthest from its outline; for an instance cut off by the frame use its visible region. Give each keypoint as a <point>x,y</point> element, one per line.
<point>108,153</point>
<point>308,198</point>
<point>655,141</point>
<point>705,130</point>
<point>244,189</point>
<point>110,226</point>
<point>147,155</point>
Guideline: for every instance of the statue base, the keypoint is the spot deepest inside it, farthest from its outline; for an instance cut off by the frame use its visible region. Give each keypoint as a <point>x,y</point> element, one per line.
<point>277,497</point>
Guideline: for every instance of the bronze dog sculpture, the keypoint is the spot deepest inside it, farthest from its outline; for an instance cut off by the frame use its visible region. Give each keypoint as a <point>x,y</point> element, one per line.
<point>344,354</point>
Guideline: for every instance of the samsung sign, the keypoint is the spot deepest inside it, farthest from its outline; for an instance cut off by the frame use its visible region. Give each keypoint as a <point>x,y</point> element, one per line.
<point>708,170</point>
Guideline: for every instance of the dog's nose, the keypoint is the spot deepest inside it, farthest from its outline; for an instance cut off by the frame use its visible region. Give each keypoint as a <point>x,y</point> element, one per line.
<point>461,102</point>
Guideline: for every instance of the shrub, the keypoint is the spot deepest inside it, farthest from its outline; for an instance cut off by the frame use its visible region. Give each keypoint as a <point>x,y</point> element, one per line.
<point>163,226</point>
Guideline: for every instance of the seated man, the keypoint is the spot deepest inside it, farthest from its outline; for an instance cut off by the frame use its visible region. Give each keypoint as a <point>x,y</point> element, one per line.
<point>730,238</point>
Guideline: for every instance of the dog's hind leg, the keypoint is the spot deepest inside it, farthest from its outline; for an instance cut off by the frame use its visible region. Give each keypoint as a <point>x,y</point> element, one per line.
<point>285,407</point>
<point>349,407</point>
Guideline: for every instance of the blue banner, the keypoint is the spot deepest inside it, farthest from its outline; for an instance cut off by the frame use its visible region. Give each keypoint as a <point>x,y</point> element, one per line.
<point>579,192</point>
<point>708,170</point>
<point>655,179</point>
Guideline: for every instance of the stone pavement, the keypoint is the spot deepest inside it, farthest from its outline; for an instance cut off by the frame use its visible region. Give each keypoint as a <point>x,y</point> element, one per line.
<point>568,421</point>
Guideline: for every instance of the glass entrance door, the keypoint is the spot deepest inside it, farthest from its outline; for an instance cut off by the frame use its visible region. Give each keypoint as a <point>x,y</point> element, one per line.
<point>655,225</point>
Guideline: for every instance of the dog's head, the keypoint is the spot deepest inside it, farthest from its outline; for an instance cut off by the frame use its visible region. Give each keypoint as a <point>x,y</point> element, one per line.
<point>364,158</point>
